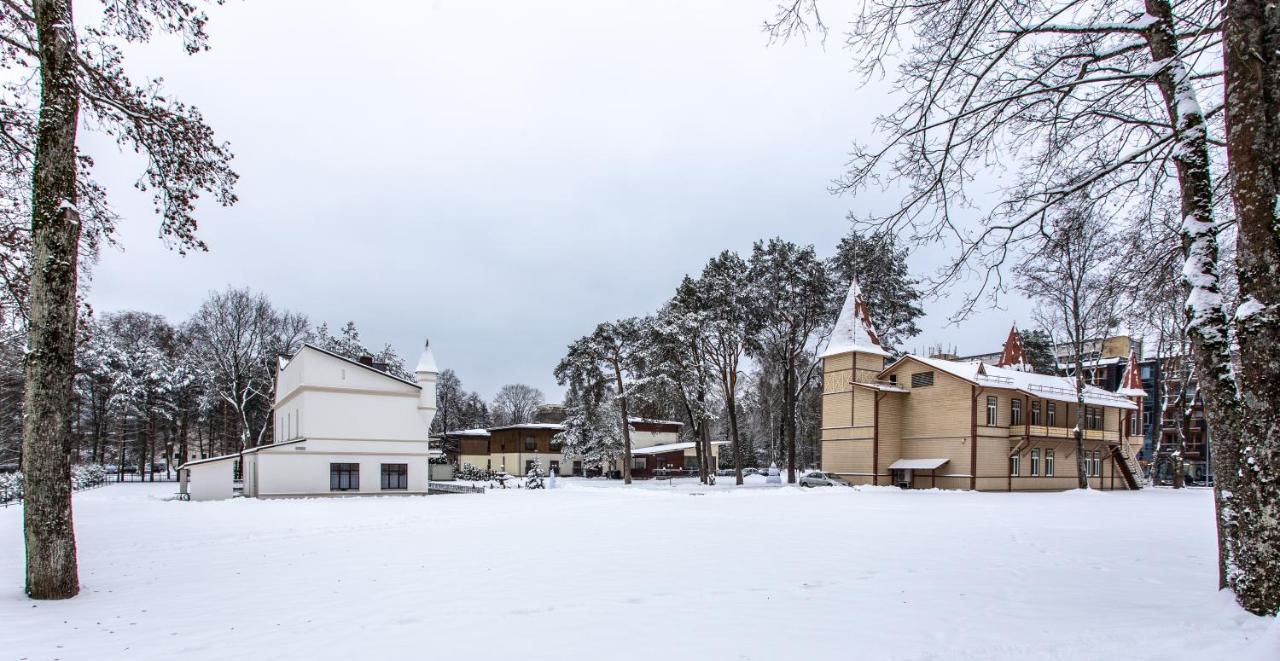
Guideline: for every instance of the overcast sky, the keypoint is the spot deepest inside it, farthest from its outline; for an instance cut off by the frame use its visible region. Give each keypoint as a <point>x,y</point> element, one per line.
<point>500,175</point>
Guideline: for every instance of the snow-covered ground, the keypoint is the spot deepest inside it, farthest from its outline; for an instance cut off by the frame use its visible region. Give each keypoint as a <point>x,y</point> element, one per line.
<point>592,570</point>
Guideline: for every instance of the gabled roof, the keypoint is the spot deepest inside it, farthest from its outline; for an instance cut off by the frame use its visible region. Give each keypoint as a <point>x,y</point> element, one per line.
<point>853,331</point>
<point>357,363</point>
<point>1043,386</point>
<point>1013,356</point>
<point>1131,384</point>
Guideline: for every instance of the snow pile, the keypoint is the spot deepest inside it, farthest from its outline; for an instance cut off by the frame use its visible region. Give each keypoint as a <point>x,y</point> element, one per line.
<point>633,573</point>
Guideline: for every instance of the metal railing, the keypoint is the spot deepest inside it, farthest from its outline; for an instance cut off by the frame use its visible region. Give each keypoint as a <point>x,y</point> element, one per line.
<point>445,487</point>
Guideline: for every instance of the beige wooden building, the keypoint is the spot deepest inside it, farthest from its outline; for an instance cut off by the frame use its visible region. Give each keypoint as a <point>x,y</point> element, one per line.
<point>920,422</point>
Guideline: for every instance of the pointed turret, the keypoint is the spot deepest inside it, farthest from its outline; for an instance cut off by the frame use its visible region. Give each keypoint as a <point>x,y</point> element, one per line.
<point>1014,357</point>
<point>1131,384</point>
<point>426,375</point>
<point>853,332</point>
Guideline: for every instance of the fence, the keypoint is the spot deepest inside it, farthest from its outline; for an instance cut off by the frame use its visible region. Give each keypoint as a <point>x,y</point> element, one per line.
<point>445,487</point>
<point>82,477</point>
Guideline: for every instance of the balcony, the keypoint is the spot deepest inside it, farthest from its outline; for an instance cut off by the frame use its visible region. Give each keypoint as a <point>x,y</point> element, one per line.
<point>1064,433</point>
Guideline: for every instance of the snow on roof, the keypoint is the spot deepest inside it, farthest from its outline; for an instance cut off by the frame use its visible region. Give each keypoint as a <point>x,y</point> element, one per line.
<point>236,455</point>
<point>465,432</point>
<point>633,420</point>
<point>918,464</point>
<point>1044,386</point>
<point>530,425</point>
<point>1013,356</point>
<point>353,362</point>
<point>1131,384</point>
<point>427,361</point>
<point>667,447</point>
<point>853,330</point>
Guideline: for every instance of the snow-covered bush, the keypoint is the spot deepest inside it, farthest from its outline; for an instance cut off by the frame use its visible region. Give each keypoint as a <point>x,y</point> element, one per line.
<point>83,476</point>
<point>533,477</point>
<point>10,487</point>
<point>473,474</point>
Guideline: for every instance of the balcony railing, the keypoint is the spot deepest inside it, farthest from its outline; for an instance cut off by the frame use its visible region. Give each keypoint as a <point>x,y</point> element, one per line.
<point>1045,431</point>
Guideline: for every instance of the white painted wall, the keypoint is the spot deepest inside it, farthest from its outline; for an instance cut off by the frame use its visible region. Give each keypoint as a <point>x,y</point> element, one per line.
<point>290,471</point>
<point>211,480</point>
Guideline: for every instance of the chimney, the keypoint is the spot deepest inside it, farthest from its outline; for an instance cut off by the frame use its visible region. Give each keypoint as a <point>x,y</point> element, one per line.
<point>426,375</point>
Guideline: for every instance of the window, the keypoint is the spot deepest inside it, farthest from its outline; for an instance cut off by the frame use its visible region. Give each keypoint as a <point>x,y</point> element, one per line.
<point>1146,418</point>
<point>992,403</point>
<point>528,466</point>
<point>921,379</point>
<point>893,378</point>
<point>530,444</point>
<point>1092,417</point>
<point>1053,414</point>
<point>639,463</point>
<point>1035,463</point>
<point>1015,464</point>
<point>554,467</point>
<point>1015,412</point>
<point>1048,463</point>
<point>1134,427</point>
<point>1035,413</point>
<point>344,477</point>
<point>395,476</point>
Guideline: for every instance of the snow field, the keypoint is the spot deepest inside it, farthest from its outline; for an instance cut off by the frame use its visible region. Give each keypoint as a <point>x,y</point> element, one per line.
<point>594,570</point>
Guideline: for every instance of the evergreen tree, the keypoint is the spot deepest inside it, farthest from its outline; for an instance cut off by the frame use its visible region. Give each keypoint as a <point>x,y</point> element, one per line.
<point>533,478</point>
<point>1037,346</point>
<point>880,265</point>
<point>600,369</point>
<point>724,288</point>
<point>792,301</point>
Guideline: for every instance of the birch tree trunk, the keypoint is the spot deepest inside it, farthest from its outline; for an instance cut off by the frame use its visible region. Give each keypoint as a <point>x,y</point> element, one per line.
<point>50,365</point>
<point>1251,32</point>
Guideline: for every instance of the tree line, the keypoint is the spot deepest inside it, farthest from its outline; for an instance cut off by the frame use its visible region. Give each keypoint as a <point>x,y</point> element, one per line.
<point>733,354</point>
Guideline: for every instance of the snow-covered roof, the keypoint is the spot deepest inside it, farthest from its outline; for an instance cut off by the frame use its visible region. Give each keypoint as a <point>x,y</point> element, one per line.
<point>1131,383</point>
<point>530,425</point>
<point>236,455</point>
<point>353,362</point>
<point>1043,386</point>
<point>918,464</point>
<point>633,420</point>
<point>667,447</point>
<point>464,432</point>
<point>853,330</point>
<point>427,361</point>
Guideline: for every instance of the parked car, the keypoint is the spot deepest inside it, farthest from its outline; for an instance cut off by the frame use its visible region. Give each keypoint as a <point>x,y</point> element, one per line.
<point>820,479</point>
<point>753,471</point>
<point>727,472</point>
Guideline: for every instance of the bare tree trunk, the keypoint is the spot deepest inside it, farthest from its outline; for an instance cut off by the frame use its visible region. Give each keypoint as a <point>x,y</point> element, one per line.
<point>1251,461</point>
<point>50,365</point>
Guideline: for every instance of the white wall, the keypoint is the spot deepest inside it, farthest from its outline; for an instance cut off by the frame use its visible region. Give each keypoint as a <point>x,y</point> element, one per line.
<point>291,471</point>
<point>648,439</point>
<point>212,480</point>
<point>319,396</point>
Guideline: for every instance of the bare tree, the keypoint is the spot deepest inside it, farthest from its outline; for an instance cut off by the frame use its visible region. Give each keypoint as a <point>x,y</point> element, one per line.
<point>516,403</point>
<point>1074,279</point>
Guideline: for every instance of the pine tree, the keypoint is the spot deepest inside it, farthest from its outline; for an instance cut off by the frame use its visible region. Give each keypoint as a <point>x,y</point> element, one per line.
<point>792,301</point>
<point>600,368</point>
<point>533,478</point>
<point>1037,346</point>
<point>880,266</point>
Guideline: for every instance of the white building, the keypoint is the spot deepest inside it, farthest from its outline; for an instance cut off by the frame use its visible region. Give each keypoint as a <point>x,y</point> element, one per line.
<point>342,427</point>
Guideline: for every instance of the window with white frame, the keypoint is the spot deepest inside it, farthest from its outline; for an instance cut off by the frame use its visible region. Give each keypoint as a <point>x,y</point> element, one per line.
<point>1015,411</point>
<point>1053,414</point>
<point>1035,413</point>
<point>1035,462</point>
<point>992,409</point>
<point>1015,464</point>
<point>1048,463</point>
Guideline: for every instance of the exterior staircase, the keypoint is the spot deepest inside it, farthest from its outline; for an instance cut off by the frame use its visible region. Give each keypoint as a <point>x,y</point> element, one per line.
<point>1129,469</point>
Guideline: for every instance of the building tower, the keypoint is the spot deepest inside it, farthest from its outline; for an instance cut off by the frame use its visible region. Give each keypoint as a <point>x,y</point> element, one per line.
<point>851,397</point>
<point>1013,356</point>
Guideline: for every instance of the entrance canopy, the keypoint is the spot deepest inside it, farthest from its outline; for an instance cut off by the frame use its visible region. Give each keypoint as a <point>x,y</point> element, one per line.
<point>918,464</point>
